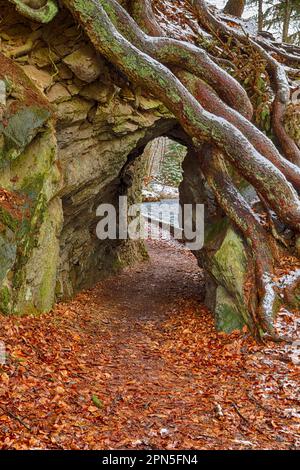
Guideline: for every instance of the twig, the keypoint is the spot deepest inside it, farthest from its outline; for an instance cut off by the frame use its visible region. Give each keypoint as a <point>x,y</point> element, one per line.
<point>265,408</point>
<point>17,418</point>
<point>239,413</point>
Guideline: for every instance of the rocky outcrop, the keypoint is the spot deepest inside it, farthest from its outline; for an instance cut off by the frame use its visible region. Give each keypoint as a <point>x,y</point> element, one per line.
<point>225,256</point>
<point>72,134</point>
<point>71,144</point>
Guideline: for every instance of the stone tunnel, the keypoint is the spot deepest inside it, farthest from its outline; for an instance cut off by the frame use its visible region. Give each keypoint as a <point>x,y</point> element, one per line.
<point>73,131</point>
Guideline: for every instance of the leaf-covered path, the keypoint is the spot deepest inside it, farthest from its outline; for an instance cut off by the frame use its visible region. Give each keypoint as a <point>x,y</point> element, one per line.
<point>135,363</point>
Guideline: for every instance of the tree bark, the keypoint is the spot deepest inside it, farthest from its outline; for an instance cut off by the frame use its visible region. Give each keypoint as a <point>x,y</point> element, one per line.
<point>154,153</point>
<point>235,8</point>
<point>286,21</point>
<point>260,23</point>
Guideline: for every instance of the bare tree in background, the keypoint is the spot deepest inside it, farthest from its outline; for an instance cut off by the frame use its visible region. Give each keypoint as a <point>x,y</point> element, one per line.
<point>235,8</point>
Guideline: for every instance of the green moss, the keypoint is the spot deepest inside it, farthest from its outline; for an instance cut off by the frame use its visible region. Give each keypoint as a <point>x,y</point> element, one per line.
<point>215,230</point>
<point>27,239</point>
<point>231,263</point>
<point>17,278</point>
<point>44,14</point>
<point>21,129</point>
<point>48,254</point>
<point>227,315</point>
<point>33,185</point>
<point>5,299</point>
<point>7,256</point>
<point>118,264</point>
<point>9,86</point>
<point>229,267</point>
<point>8,220</point>
<point>47,289</point>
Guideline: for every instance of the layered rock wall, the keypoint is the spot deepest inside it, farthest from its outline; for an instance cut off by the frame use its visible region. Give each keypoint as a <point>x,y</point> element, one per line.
<point>64,158</point>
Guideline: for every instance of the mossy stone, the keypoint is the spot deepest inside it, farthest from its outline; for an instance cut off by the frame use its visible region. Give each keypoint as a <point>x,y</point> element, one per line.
<point>227,314</point>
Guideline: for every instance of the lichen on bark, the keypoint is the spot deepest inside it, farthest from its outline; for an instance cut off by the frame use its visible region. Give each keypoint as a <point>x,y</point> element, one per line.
<point>42,11</point>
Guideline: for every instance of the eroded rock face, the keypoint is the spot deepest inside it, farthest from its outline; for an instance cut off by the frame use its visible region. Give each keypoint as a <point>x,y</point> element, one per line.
<point>85,64</point>
<point>69,146</point>
<point>30,211</point>
<point>72,132</point>
<point>227,263</point>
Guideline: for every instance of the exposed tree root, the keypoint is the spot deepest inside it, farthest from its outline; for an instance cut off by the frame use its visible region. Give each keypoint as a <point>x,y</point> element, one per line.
<point>209,100</point>
<point>289,54</point>
<point>38,10</point>
<point>212,108</point>
<point>288,145</point>
<point>199,125</point>
<point>177,53</point>
<point>142,12</point>
<point>239,211</point>
<point>288,284</point>
<point>276,70</point>
<point>212,103</point>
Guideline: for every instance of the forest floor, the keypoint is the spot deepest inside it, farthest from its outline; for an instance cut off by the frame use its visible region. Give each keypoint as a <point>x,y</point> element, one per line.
<point>135,363</point>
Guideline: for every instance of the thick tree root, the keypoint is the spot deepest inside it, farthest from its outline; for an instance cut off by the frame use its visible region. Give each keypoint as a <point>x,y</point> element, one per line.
<point>239,211</point>
<point>199,125</point>
<point>212,103</point>
<point>142,12</point>
<point>177,53</point>
<point>288,56</point>
<point>44,14</point>
<point>276,70</point>
<point>206,97</point>
<point>241,214</point>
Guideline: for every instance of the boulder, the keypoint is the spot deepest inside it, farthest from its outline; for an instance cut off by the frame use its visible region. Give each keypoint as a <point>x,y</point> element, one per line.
<point>58,94</point>
<point>42,78</point>
<point>85,64</point>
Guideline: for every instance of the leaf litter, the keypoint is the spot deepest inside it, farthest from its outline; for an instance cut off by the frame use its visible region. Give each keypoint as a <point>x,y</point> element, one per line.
<point>136,363</point>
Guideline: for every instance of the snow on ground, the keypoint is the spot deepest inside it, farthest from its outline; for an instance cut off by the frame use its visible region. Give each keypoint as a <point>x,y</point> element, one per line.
<point>158,191</point>
<point>249,11</point>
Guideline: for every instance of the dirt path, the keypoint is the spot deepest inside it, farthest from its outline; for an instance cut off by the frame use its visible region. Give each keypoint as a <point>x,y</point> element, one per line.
<point>135,363</point>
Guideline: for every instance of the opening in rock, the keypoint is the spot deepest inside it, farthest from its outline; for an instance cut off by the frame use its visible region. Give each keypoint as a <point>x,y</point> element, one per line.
<point>128,356</point>
<point>77,120</point>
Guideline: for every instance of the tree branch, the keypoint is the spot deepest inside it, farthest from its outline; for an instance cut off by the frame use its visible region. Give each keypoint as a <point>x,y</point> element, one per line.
<point>38,10</point>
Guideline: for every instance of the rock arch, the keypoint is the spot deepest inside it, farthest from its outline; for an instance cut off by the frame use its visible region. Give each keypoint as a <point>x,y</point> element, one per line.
<point>70,146</point>
<point>72,133</point>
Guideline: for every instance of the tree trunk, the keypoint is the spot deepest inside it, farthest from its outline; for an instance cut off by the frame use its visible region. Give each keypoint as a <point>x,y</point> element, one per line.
<point>235,8</point>
<point>260,24</point>
<point>154,153</point>
<point>286,21</point>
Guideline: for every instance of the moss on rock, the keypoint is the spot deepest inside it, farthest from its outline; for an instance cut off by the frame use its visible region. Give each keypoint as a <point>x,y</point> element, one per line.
<point>20,129</point>
<point>5,300</point>
<point>229,267</point>
<point>227,314</point>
